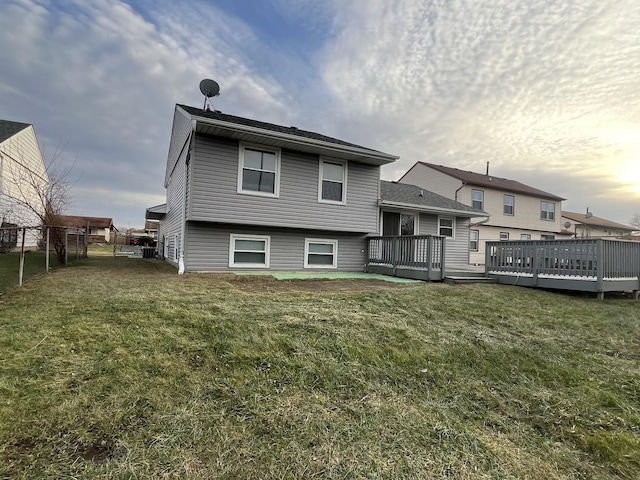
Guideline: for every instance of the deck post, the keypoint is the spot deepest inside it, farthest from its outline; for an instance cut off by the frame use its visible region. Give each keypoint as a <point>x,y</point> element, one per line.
<point>430,241</point>
<point>443,242</point>
<point>600,268</point>
<point>394,254</point>
<point>534,262</point>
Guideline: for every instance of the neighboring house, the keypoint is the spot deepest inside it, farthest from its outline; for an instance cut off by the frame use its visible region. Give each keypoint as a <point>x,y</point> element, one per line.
<point>411,210</point>
<point>517,211</point>
<point>587,225</point>
<point>100,229</point>
<point>151,228</point>
<point>23,177</point>
<point>244,194</point>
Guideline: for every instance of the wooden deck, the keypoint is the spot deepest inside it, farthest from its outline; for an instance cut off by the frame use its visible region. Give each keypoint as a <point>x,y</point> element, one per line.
<point>590,265</point>
<point>420,257</point>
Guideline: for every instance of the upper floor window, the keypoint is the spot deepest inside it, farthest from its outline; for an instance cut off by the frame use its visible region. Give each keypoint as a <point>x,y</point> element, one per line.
<point>259,171</point>
<point>477,199</point>
<point>509,204</point>
<point>474,237</point>
<point>333,182</point>
<point>446,226</point>
<point>547,210</point>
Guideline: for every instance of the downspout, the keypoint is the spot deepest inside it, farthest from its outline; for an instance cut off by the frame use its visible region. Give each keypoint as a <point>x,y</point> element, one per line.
<point>455,194</point>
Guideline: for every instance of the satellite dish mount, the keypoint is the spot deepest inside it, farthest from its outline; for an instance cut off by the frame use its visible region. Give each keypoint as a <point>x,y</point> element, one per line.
<point>209,88</point>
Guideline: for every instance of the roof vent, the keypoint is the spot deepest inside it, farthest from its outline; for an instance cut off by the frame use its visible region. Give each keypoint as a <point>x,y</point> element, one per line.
<point>422,193</point>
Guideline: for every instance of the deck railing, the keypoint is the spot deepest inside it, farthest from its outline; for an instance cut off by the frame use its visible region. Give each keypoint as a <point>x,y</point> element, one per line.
<point>416,252</point>
<point>598,259</point>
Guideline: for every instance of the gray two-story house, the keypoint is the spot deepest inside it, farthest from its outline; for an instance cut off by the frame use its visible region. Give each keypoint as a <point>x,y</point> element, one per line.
<point>244,194</point>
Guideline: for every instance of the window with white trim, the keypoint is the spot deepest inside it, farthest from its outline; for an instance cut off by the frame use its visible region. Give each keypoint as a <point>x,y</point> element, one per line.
<point>547,237</point>
<point>547,211</point>
<point>504,236</point>
<point>332,187</point>
<point>320,253</point>
<point>474,239</point>
<point>477,199</point>
<point>525,236</point>
<point>250,251</point>
<point>259,170</point>
<point>509,203</point>
<point>446,226</point>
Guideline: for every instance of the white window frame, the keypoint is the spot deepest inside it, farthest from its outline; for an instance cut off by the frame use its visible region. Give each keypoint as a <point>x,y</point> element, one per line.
<point>344,180</point>
<point>481,192</point>
<point>504,236</point>
<point>513,204</point>
<point>545,209</point>
<point>525,236</point>
<point>261,148</point>
<point>477,240</point>
<point>453,226</point>
<point>258,238</point>
<point>321,241</point>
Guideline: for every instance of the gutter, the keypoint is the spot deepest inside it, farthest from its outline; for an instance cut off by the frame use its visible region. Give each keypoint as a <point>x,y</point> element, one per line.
<point>383,157</point>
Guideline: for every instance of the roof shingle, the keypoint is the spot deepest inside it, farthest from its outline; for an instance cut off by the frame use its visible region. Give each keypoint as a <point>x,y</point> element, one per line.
<point>9,128</point>
<point>489,181</point>
<point>407,194</point>
<point>224,117</point>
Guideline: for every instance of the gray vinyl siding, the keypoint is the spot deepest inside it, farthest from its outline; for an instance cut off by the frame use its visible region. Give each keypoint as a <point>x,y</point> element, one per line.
<point>457,248</point>
<point>209,247</point>
<point>171,226</point>
<point>214,196</point>
<point>181,129</point>
<point>432,180</point>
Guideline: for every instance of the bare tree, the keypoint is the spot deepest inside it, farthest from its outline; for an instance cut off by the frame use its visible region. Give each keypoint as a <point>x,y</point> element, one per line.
<point>634,221</point>
<point>40,193</point>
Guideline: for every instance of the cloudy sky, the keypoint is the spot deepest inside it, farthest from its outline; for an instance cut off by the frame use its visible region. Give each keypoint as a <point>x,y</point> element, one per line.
<point>546,91</point>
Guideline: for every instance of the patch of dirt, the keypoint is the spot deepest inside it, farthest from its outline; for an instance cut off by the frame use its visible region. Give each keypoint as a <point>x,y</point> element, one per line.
<point>267,284</point>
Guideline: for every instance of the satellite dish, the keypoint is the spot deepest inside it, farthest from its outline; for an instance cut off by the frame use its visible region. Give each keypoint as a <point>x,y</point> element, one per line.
<point>567,224</point>
<point>209,88</point>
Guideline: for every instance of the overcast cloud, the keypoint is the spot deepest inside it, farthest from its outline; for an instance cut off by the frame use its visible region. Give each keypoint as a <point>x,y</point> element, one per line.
<point>547,92</point>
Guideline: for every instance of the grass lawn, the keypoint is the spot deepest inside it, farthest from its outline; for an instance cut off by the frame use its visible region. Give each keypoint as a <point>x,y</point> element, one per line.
<point>120,368</point>
<point>34,264</point>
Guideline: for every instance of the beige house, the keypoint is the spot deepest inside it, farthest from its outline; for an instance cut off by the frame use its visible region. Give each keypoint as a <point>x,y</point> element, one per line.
<point>587,225</point>
<point>100,229</point>
<point>517,211</point>
<point>23,177</point>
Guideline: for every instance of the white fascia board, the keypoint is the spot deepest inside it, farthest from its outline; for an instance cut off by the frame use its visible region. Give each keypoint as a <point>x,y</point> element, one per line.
<point>436,210</point>
<point>383,158</point>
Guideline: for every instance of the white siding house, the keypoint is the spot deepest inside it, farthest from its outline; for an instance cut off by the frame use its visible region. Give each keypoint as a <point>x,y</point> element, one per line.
<point>22,177</point>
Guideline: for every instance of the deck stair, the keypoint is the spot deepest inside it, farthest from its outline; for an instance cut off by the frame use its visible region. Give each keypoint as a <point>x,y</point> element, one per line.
<point>460,274</point>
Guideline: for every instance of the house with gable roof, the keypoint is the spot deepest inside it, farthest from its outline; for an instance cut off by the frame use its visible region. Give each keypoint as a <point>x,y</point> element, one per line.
<point>516,211</point>
<point>99,229</point>
<point>245,194</point>
<point>587,225</point>
<point>23,176</point>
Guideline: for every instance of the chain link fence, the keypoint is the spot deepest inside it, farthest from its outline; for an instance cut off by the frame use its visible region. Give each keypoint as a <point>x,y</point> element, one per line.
<point>29,251</point>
